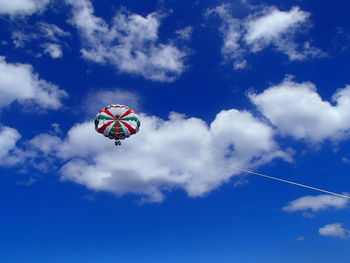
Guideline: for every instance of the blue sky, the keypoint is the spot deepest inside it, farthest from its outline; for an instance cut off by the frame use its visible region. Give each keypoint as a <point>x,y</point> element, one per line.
<point>259,85</point>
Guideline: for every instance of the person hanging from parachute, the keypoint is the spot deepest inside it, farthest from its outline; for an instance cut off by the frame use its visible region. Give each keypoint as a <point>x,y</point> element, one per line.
<point>117,122</point>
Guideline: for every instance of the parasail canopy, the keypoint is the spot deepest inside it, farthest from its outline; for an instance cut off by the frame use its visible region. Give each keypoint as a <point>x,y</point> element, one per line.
<point>117,122</point>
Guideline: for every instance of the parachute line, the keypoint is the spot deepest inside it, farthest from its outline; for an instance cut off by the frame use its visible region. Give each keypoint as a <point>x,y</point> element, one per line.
<point>271,177</point>
<point>290,182</point>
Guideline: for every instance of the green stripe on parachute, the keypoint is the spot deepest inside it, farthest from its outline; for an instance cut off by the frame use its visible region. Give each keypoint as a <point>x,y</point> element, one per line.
<point>100,117</point>
<point>121,130</point>
<point>117,106</point>
<point>111,131</point>
<point>129,119</point>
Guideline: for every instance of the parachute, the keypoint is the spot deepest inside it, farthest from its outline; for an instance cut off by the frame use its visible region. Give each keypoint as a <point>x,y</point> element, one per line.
<point>117,122</point>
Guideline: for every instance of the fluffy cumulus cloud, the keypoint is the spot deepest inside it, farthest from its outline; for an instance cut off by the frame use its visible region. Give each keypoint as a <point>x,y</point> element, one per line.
<point>180,152</point>
<point>8,140</point>
<point>316,203</point>
<point>296,109</point>
<point>22,7</point>
<point>335,230</point>
<point>130,43</point>
<point>18,82</point>
<point>269,27</point>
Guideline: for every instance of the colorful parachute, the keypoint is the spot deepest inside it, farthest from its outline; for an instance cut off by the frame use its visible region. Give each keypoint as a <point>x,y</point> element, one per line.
<point>117,122</point>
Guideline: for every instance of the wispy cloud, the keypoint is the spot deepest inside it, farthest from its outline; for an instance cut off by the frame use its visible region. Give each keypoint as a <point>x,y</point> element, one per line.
<point>316,203</point>
<point>299,239</point>
<point>54,50</point>
<point>335,230</point>
<point>48,37</point>
<point>185,33</point>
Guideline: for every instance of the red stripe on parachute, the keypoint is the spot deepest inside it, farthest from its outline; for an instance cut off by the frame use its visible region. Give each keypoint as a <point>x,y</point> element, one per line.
<point>108,112</point>
<point>126,113</point>
<point>131,129</point>
<point>104,127</point>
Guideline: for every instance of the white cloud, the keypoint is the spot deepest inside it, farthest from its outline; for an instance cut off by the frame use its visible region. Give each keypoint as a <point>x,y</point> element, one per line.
<point>19,83</point>
<point>54,50</point>
<point>37,153</point>
<point>50,34</point>
<point>275,27</point>
<point>232,31</point>
<point>46,143</point>
<point>341,41</point>
<point>185,33</point>
<point>130,43</point>
<point>335,230</point>
<point>51,31</point>
<point>273,23</point>
<point>19,38</point>
<point>22,7</point>
<point>40,30</point>
<point>267,27</point>
<point>8,140</point>
<point>316,203</point>
<point>240,64</point>
<point>27,182</point>
<point>296,109</point>
<point>181,152</point>
<point>299,239</point>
